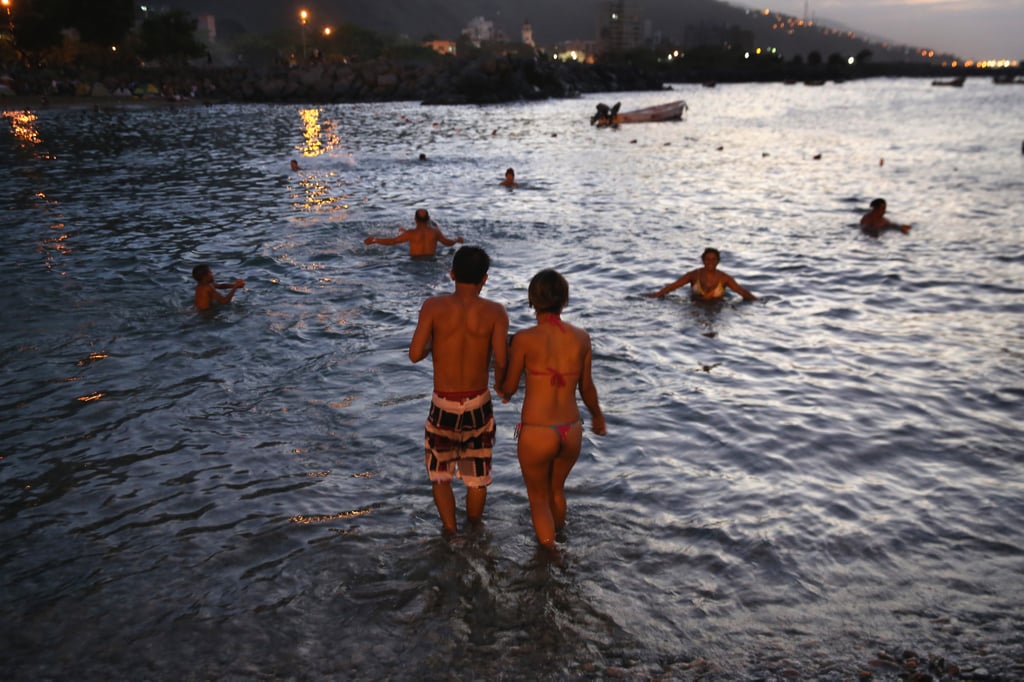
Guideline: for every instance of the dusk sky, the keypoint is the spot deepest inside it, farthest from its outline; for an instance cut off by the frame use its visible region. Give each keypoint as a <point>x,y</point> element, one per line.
<point>972,29</point>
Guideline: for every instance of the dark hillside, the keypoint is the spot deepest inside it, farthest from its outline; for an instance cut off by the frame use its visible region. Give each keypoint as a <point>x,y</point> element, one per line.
<point>679,23</point>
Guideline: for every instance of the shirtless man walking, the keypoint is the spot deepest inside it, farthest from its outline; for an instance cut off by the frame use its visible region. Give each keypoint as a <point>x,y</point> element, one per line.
<point>461,331</point>
<point>422,239</point>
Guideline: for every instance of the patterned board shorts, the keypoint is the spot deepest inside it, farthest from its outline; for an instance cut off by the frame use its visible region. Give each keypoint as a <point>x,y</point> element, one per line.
<point>458,437</point>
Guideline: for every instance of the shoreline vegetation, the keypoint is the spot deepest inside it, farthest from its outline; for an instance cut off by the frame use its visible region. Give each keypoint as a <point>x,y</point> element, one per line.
<point>485,80</point>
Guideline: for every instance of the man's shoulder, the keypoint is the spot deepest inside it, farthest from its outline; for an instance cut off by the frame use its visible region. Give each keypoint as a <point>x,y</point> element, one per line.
<point>439,301</point>
<point>494,307</point>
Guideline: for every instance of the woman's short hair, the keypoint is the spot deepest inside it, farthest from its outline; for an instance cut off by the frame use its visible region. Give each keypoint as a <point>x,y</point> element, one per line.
<point>549,292</point>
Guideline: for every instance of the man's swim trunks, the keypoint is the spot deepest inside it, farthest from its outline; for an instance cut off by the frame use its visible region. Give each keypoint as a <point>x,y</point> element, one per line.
<point>459,434</point>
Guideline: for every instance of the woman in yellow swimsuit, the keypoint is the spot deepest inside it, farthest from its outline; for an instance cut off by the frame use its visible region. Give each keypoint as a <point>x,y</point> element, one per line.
<point>707,283</point>
<point>556,358</point>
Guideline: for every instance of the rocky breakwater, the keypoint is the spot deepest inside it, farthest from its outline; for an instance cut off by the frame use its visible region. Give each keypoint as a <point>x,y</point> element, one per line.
<point>446,81</point>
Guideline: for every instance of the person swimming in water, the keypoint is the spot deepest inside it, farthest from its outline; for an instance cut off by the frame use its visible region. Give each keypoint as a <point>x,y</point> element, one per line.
<point>510,179</point>
<point>875,220</point>
<point>556,357</point>
<point>206,293</point>
<point>707,283</point>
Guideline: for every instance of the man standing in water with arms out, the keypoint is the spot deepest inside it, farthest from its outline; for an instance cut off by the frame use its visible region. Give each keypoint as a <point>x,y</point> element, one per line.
<point>461,331</point>
<point>422,239</point>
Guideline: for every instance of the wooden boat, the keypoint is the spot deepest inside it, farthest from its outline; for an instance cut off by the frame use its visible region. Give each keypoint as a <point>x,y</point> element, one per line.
<point>610,116</point>
<point>957,82</point>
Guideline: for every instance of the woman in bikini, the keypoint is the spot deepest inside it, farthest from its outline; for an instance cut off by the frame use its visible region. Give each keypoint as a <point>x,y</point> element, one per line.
<point>707,283</point>
<point>556,358</point>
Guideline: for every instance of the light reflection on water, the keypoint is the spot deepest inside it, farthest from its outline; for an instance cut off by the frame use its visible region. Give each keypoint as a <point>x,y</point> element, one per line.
<point>791,485</point>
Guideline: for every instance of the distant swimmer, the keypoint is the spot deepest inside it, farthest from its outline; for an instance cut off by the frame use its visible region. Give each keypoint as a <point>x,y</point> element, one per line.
<point>206,288</point>
<point>707,283</point>
<point>510,179</point>
<point>876,221</point>
<point>295,165</point>
<point>422,239</point>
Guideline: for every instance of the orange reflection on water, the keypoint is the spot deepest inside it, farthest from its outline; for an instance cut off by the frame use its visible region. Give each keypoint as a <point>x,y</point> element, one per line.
<point>55,246</point>
<point>92,357</point>
<point>90,398</point>
<point>318,137</point>
<point>319,196</point>
<point>330,517</point>
<point>23,126</point>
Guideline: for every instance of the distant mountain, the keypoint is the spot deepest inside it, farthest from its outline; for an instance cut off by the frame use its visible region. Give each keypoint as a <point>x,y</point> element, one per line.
<point>553,21</point>
<point>679,23</point>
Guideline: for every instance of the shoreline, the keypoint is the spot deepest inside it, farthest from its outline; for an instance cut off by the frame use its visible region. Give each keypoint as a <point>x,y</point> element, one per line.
<point>98,102</point>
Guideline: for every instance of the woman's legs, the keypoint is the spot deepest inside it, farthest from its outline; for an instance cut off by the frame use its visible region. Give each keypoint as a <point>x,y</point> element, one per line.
<point>560,468</point>
<point>545,461</point>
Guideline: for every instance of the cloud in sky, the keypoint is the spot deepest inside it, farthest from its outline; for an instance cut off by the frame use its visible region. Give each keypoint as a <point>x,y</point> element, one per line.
<point>972,29</point>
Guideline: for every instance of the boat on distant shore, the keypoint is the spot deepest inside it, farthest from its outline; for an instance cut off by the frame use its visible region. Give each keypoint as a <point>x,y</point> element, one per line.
<point>957,82</point>
<point>610,116</point>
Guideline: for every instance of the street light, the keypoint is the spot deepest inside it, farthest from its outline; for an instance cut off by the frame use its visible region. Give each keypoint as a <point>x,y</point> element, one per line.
<point>10,22</point>
<point>303,17</point>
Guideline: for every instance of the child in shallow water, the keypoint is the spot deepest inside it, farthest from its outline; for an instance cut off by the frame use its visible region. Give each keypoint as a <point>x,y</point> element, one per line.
<point>556,357</point>
<point>206,288</point>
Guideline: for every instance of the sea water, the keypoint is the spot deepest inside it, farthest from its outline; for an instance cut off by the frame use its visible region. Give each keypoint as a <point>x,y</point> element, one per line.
<point>806,486</point>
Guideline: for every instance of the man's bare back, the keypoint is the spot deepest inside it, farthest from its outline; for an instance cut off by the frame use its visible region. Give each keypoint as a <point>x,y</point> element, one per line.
<point>422,239</point>
<point>461,331</point>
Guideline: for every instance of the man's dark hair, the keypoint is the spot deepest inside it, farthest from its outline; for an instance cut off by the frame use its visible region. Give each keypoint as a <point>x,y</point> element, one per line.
<point>549,292</point>
<point>422,216</point>
<point>470,265</point>
<point>199,272</point>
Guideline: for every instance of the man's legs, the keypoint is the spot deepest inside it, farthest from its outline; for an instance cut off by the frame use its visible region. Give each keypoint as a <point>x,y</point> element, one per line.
<point>444,498</point>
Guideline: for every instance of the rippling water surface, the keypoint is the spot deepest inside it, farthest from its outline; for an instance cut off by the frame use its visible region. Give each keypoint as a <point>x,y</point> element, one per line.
<point>789,488</point>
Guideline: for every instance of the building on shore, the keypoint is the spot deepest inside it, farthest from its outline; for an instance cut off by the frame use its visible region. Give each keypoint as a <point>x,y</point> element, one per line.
<point>620,27</point>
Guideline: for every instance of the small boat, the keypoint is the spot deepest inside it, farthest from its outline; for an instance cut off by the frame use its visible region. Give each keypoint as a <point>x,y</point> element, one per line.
<point>610,116</point>
<point>957,82</point>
